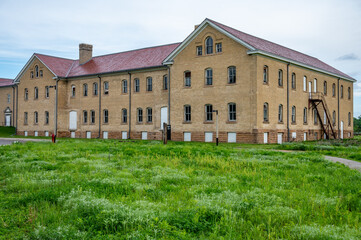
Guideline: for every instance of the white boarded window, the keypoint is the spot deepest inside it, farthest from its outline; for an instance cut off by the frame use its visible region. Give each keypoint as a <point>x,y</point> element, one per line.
<point>232,137</point>
<point>208,136</point>
<point>187,136</point>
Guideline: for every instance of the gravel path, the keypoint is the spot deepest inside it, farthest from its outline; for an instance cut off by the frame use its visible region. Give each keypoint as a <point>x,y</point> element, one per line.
<point>8,141</point>
<point>351,164</point>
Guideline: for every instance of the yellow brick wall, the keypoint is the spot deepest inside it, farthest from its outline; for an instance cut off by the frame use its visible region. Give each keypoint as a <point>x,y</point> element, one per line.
<point>4,104</point>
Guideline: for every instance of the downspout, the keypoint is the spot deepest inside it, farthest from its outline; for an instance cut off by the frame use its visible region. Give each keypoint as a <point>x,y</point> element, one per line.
<point>130,104</point>
<point>170,136</point>
<point>12,118</point>
<point>338,108</point>
<point>17,100</point>
<point>100,105</point>
<point>56,108</point>
<point>288,104</point>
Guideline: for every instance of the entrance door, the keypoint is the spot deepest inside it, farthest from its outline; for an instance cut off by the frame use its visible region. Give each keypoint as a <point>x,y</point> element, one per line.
<point>341,132</point>
<point>279,138</point>
<point>163,116</point>
<point>304,136</point>
<point>265,137</point>
<point>8,120</point>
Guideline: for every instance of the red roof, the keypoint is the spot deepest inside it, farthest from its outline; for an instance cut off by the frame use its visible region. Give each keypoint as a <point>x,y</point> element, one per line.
<point>273,48</point>
<point>5,82</point>
<point>130,60</point>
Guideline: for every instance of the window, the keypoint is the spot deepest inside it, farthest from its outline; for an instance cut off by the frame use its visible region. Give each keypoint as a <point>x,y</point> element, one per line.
<point>265,74</point>
<point>95,88</point>
<point>36,93</point>
<point>348,93</point>
<point>209,112</point>
<point>124,86</point>
<point>231,74</point>
<point>31,74</point>
<point>187,78</point>
<point>315,116</point>
<point>333,90</point>
<point>47,92</point>
<point>280,113</point>
<point>36,71</point>
<point>293,114</point>
<point>41,73</point>
<point>293,81</point>
<point>106,88</point>
<point>136,85</point>
<point>140,115</point>
<point>8,98</point>
<point>315,85</point>
<point>149,115</point>
<point>349,118</point>
<point>187,113</point>
<point>199,50</point>
<point>265,112</point>
<point>165,82</point>
<point>72,90</point>
<point>209,45</point>
<point>92,116</point>
<point>25,117</point>
<point>46,117</point>
<point>334,118</point>
<point>325,88</point>
<point>280,78</point>
<point>124,115</point>
<point>232,116</point>
<point>209,76</point>
<point>85,117</point>
<point>304,83</point>
<point>149,84</point>
<point>305,115</point>
<point>26,94</point>
<point>85,90</point>
<point>218,47</point>
<point>36,117</point>
<point>341,91</point>
<point>106,116</point>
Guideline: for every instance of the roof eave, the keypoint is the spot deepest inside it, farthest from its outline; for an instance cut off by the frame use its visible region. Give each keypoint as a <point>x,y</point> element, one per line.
<point>299,64</point>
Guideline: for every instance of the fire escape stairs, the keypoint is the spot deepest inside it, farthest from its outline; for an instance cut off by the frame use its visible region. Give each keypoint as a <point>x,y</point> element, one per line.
<point>318,102</point>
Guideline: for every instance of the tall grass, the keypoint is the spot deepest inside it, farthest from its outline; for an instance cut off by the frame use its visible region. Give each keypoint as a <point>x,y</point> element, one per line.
<point>94,189</point>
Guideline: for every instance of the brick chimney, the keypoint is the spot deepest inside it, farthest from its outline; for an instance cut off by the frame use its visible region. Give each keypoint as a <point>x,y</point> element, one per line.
<point>85,53</point>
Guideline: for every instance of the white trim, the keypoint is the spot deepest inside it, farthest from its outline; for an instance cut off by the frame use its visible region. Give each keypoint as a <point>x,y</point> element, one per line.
<point>23,70</point>
<point>260,52</point>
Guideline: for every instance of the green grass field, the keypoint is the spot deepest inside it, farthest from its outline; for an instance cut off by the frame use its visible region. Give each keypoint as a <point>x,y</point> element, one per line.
<point>95,189</point>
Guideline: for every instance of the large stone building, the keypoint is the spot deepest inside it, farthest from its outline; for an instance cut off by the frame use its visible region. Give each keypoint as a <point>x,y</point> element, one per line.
<point>258,90</point>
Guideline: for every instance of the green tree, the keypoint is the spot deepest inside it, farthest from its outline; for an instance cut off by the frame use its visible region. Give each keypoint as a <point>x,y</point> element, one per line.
<point>357,124</point>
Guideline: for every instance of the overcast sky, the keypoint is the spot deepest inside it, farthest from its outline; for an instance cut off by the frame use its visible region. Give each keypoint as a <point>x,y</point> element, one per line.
<point>327,29</point>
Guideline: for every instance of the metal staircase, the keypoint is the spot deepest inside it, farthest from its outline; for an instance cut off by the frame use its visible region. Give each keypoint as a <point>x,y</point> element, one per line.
<point>318,102</point>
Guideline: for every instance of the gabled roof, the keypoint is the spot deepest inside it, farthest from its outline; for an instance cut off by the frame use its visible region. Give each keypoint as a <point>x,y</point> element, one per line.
<point>260,46</point>
<point>5,82</point>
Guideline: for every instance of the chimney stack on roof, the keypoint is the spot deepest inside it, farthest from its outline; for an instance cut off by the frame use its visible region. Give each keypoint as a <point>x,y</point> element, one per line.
<point>85,52</point>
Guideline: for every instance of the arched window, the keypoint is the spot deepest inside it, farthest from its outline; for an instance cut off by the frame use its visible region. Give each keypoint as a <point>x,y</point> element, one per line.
<point>341,91</point>
<point>46,117</point>
<point>124,115</point>
<point>85,116</point>
<point>280,77</point>
<point>26,94</point>
<point>293,116</point>
<point>31,74</point>
<point>265,74</point>
<point>36,93</point>
<point>187,79</point>
<point>334,118</point>
<point>73,90</point>
<point>305,115</point>
<point>92,116</point>
<point>41,73</point>
<point>209,112</point>
<point>149,115</point>
<point>187,113</point>
<point>304,83</point>
<point>106,88</point>
<point>47,92</point>
<point>209,76</point>
<point>325,87</point>
<point>140,115</point>
<point>37,71</point>
<point>136,85</point>
<point>315,116</point>
<point>149,84</point>
<point>124,86</point>
<point>95,89</point>
<point>333,90</point>
<point>232,116</point>
<point>265,112</point>
<point>232,74</point>
<point>36,119</point>
<point>280,113</point>
<point>25,118</point>
<point>106,115</point>
<point>293,81</point>
<point>315,85</point>
<point>209,45</point>
<point>349,93</point>
<point>165,82</point>
<point>349,118</point>
<point>85,89</point>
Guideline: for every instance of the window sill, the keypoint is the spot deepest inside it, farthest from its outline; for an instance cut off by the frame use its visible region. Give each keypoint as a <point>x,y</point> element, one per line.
<point>139,123</point>
<point>190,122</point>
<point>149,123</point>
<point>208,122</point>
<point>280,122</point>
<point>85,123</point>
<point>280,86</point>
<point>265,122</point>
<point>149,91</point>
<point>208,86</point>
<point>187,87</point>
<point>305,123</point>
<point>266,83</point>
<point>105,123</point>
<point>25,124</point>
<point>293,123</point>
<point>92,123</point>
<point>231,84</point>
<point>124,123</point>
<point>231,122</point>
